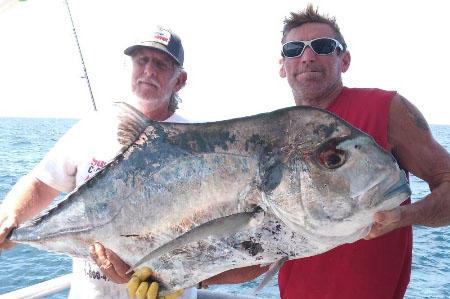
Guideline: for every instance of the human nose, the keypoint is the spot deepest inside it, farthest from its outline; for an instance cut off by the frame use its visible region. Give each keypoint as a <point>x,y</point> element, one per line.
<point>149,68</point>
<point>308,55</point>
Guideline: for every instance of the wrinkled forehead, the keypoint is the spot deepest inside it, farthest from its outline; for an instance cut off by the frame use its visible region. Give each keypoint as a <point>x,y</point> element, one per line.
<point>310,31</point>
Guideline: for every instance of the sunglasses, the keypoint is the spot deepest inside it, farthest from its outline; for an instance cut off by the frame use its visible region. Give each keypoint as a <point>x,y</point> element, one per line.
<point>320,46</point>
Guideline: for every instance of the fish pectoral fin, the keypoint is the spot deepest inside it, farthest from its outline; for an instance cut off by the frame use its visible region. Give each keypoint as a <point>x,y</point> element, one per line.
<point>273,269</point>
<point>218,228</point>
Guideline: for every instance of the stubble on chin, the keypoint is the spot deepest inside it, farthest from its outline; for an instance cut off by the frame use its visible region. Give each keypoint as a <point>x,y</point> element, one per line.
<point>307,92</point>
<point>145,94</point>
<point>301,85</point>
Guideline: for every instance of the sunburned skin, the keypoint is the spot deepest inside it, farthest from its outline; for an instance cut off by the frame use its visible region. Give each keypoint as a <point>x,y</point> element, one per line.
<point>419,120</point>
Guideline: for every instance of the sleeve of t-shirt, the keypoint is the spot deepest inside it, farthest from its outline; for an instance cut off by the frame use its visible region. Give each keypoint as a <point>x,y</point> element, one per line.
<point>59,166</point>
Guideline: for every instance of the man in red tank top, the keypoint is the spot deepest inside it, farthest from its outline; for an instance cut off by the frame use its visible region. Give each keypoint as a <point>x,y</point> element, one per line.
<point>314,55</point>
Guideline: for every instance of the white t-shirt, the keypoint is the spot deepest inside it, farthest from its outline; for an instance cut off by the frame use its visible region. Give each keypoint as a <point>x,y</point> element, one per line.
<point>85,149</point>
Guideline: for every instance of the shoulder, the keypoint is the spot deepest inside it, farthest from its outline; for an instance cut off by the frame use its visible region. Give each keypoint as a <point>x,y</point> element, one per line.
<point>413,144</point>
<point>97,122</point>
<point>362,99</point>
<point>408,130</point>
<point>403,112</point>
<point>372,93</point>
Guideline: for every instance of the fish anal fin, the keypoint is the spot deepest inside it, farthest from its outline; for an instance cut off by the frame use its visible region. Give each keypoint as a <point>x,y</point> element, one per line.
<point>273,269</point>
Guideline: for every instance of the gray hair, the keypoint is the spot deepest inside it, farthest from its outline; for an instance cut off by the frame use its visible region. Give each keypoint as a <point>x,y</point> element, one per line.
<point>175,99</point>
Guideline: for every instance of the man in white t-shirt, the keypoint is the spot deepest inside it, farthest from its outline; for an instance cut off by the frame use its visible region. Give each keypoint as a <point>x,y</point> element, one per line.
<point>157,76</point>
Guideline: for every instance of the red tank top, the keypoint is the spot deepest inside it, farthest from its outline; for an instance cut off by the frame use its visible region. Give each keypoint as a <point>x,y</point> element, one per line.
<point>376,269</point>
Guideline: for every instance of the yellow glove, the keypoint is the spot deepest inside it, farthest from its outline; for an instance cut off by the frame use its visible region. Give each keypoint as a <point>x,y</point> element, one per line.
<point>173,295</point>
<point>139,287</point>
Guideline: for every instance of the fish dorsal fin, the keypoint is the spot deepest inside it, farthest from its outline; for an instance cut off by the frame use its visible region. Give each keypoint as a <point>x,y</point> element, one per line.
<point>219,228</point>
<point>273,269</point>
<point>131,123</point>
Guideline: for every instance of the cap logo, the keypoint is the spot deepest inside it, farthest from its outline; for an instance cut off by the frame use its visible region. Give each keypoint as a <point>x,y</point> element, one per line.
<point>162,37</point>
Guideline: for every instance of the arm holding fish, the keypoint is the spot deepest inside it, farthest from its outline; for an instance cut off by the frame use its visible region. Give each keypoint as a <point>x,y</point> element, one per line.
<point>115,269</point>
<point>415,149</point>
<point>26,199</point>
<point>36,190</point>
<point>113,266</point>
<point>238,275</point>
<point>110,264</point>
<point>143,287</point>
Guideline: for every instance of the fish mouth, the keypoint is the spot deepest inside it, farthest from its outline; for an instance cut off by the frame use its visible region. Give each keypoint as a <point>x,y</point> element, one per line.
<point>401,187</point>
<point>383,198</point>
<point>397,193</point>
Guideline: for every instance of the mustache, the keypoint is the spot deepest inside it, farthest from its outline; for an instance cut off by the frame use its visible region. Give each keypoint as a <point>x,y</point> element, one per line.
<point>148,81</point>
<point>309,68</point>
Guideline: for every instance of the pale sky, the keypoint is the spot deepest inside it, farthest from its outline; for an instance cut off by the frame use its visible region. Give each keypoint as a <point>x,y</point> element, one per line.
<point>231,47</point>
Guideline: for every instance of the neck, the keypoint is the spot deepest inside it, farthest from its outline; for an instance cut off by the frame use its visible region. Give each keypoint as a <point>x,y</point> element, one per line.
<point>318,99</point>
<point>157,113</point>
<point>154,109</point>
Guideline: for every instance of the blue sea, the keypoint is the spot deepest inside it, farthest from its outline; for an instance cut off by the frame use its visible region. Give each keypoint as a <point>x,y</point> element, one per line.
<point>24,141</point>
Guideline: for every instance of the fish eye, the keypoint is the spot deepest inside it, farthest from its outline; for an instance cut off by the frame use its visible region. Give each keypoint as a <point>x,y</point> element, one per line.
<point>333,159</point>
<point>330,157</point>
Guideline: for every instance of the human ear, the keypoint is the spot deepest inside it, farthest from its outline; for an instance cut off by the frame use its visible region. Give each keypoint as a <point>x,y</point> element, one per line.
<point>181,80</point>
<point>282,69</point>
<point>345,60</point>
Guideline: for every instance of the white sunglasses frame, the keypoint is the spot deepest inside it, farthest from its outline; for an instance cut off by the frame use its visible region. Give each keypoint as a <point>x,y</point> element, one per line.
<point>308,44</point>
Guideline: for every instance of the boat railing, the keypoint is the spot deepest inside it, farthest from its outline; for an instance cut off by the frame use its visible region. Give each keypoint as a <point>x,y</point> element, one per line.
<point>41,289</point>
<point>62,283</point>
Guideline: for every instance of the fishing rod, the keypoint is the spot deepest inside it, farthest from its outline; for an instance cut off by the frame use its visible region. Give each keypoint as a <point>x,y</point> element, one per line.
<point>81,55</point>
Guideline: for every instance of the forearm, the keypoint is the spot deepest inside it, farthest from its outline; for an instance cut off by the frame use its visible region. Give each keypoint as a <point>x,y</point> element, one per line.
<point>236,275</point>
<point>27,198</point>
<point>431,211</point>
<point>416,150</point>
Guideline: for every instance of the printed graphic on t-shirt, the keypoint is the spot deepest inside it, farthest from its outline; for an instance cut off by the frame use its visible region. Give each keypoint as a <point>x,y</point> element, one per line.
<point>94,273</point>
<point>95,166</point>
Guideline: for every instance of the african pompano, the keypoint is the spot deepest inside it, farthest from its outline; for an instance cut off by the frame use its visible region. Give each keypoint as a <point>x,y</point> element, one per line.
<point>194,200</point>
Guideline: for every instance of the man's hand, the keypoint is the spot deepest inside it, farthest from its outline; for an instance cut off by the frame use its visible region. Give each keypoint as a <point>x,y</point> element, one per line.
<point>27,198</point>
<point>7,223</point>
<point>110,264</point>
<point>385,221</point>
<point>141,287</point>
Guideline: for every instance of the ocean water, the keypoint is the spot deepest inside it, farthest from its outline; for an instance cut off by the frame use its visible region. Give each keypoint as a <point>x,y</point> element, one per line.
<point>23,143</point>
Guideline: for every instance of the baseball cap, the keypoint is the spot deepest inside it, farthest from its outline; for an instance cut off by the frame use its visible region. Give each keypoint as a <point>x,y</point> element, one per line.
<point>161,39</point>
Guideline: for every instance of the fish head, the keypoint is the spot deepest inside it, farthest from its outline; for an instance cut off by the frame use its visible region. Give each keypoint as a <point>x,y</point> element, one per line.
<point>330,188</point>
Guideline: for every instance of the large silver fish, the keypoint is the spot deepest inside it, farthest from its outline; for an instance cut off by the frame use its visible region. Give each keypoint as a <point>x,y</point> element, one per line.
<point>194,200</point>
